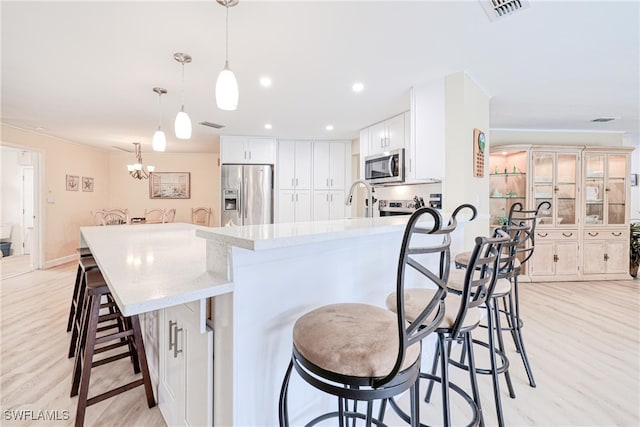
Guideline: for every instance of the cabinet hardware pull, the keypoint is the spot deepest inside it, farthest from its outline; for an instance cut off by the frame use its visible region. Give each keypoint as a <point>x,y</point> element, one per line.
<point>606,257</point>
<point>606,189</point>
<point>175,347</point>
<point>331,182</point>
<point>543,234</point>
<point>245,155</point>
<point>555,258</point>
<point>327,197</point>
<point>332,197</point>
<point>171,338</point>
<point>296,182</point>
<point>249,155</point>
<point>327,182</point>
<point>292,199</point>
<point>592,234</point>
<point>293,183</point>
<point>616,234</point>
<point>567,234</point>
<point>296,197</point>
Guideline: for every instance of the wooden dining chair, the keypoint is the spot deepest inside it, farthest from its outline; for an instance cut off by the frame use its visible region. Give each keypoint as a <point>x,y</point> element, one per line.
<point>169,215</point>
<point>154,216</point>
<point>113,216</point>
<point>201,216</point>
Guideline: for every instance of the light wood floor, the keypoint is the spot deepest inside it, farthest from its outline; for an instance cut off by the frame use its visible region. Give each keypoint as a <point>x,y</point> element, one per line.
<point>583,339</point>
<point>14,265</point>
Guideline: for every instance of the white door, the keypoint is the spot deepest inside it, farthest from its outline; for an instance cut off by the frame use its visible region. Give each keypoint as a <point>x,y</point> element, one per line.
<point>27,209</point>
<point>261,151</point>
<point>303,206</point>
<point>321,205</point>
<point>336,205</point>
<point>303,165</point>
<point>286,206</point>
<point>286,164</point>
<point>233,149</point>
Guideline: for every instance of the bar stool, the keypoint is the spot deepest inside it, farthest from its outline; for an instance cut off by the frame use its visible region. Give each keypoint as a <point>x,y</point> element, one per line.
<point>360,352</point>
<point>89,342</point>
<point>83,253</point>
<point>504,274</point>
<point>462,316</point>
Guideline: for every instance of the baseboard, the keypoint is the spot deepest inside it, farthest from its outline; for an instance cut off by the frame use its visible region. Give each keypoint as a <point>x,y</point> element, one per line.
<point>59,261</point>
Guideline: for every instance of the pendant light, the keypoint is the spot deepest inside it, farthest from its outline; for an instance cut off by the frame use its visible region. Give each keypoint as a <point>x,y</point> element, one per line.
<point>159,141</point>
<point>183,122</point>
<point>227,85</point>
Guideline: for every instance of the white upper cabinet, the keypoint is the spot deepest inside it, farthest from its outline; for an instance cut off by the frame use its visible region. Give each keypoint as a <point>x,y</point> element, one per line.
<point>387,135</point>
<point>294,164</point>
<point>329,165</point>
<point>247,150</point>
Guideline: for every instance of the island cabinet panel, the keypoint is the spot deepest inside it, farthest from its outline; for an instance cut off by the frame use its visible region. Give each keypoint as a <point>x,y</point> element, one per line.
<point>185,389</point>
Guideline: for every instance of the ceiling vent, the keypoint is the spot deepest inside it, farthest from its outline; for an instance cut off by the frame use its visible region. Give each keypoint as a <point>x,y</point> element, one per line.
<point>497,9</point>
<point>212,125</point>
<point>603,120</point>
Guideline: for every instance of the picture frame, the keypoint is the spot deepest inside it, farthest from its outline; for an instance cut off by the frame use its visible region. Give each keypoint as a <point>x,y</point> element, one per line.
<point>634,180</point>
<point>170,185</point>
<point>73,182</point>
<point>87,183</point>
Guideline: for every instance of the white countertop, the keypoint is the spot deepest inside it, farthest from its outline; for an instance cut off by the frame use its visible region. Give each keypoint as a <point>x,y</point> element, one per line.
<point>153,266</point>
<point>273,236</point>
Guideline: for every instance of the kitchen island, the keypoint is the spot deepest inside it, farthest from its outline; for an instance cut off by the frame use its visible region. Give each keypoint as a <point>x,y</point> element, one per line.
<point>248,285</point>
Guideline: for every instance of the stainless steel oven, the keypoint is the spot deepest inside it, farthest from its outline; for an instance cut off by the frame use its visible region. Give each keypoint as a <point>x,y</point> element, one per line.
<point>385,167</point>
<point>396,207</point>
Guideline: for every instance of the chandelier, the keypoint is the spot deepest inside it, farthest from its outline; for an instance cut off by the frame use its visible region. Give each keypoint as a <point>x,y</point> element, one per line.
<point>136,170</point>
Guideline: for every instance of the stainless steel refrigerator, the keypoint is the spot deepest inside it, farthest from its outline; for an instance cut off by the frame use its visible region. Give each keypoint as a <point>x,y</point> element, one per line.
<point>247,194</point>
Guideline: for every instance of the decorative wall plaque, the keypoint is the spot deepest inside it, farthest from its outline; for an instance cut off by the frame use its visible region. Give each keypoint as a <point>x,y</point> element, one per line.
<point>478,153</point>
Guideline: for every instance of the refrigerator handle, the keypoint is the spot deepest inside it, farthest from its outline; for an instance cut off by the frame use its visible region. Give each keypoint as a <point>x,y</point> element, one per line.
<point>240,202</point>
<point>244,194</point>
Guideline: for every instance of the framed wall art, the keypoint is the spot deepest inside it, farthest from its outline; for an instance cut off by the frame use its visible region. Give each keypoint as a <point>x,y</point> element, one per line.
<point>170,185</point>
<point>87,183</point>
<point>73,182</point>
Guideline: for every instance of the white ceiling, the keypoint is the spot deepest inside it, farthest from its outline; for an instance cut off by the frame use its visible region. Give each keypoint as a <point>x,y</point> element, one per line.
<point>84,71</point>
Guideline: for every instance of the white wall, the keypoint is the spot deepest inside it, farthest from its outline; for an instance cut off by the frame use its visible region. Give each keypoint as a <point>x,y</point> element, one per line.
<point>11,195</point>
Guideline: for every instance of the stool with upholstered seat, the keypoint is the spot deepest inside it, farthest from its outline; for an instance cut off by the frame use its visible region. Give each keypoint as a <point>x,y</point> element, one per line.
<point>359,352</point>
<point>462,316</point>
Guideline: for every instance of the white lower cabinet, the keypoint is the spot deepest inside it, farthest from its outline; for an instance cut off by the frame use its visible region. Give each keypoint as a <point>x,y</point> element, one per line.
<point>606,252</point>
<point>185,390</point>
<point>328,205</point>
<point>556,255</point>
<point>294,206</point>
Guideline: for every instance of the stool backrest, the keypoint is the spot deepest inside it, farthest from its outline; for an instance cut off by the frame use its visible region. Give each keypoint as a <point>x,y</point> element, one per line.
<point>445,258</point>
<point>413,333</point>
<point>519,216</point>
<point>481,274</point>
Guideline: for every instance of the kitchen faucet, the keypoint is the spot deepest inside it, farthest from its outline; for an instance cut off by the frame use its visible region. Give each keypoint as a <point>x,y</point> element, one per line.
<point>349,199</point>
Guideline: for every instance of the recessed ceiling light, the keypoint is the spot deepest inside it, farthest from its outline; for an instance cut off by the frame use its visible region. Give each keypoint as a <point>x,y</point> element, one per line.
<point>265,81</point>
<point>268,126</point>
<point>329,127</point>
<point>357,87</point>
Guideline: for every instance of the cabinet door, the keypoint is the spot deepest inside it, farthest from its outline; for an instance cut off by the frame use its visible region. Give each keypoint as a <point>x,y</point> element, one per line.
<point>617,256</point>
<point>337,165</point>
<point>616,189</point>
<point>321,205</point>
<point>594,257</point>
<point>565,189</point>
<point>286,206</point>
<point>303,165</point>
<point>233,149</point>
<point>286,164</point>
<point>395,132</point>
<point>594,189</point>
<point>378,138</point>
<point>542,261</point>
<point>321,160</point>
<point>566,258</point>
<point>303,206</point>
<point>260,151</point>
<point>172,370</point>
<point>336,205</point>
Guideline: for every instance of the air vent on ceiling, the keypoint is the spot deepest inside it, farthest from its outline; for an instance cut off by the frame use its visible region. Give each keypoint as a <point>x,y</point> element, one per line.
<point>212,125</point>
<point>497,9</point>
<point>603,119</point>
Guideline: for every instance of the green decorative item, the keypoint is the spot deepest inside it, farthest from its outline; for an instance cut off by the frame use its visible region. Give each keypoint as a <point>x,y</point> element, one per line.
<point>515,170</point>
<point>496,170</point>
<point>503,219</point>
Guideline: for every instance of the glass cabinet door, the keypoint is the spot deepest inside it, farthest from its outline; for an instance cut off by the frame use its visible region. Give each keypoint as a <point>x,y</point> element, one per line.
<point>543,170</point>
<point>555,178</point>
<point>594,189</point>
<point>605,189</point>
<point>565,189</point>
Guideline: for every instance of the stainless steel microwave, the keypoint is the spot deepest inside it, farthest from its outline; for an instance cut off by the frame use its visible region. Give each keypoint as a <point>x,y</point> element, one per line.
<point>385,167</point>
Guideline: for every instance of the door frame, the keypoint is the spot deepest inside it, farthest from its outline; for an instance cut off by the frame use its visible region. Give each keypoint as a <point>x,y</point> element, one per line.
<point>37,162</point>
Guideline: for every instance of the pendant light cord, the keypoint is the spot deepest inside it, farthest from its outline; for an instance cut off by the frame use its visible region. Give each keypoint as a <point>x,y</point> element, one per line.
<point>160,109</point>
<point>182,108</point>
<point>226,54</point>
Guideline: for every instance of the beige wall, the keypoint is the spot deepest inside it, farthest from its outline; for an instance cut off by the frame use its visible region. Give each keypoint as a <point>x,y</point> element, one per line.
<point>134,194</point>
<point>67,211</point>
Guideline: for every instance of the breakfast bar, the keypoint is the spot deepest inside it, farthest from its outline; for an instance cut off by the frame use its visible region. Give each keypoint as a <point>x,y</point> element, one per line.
<point>245,286</point>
